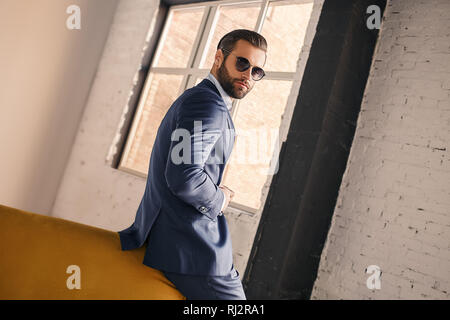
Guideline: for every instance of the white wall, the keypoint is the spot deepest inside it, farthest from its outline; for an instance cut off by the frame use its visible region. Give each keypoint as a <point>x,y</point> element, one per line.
<point>45,78</point>
<point>393,208</point>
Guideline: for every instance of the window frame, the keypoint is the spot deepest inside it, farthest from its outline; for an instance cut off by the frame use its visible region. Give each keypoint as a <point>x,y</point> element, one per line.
<point>193,71</point>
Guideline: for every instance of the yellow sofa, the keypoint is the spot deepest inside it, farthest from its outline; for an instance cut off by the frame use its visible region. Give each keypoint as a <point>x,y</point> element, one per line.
<point>44,257</point>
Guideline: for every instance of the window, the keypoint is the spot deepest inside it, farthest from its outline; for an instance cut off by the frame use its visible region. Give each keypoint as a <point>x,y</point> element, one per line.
<point>183,58</point>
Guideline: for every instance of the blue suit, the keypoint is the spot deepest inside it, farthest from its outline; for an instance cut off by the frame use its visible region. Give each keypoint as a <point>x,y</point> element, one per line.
<point>179,214</point>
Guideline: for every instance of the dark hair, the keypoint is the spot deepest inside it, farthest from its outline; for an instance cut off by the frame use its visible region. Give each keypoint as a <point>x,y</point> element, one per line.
<point>229,40</point>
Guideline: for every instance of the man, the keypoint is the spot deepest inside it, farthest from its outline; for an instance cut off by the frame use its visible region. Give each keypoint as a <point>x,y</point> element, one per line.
<point>181,211</point>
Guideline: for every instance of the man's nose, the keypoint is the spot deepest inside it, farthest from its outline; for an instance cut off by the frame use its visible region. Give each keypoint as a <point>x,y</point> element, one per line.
<point>247,74</point>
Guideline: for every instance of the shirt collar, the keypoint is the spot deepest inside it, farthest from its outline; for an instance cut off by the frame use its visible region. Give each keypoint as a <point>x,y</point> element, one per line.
<point>226,98</point>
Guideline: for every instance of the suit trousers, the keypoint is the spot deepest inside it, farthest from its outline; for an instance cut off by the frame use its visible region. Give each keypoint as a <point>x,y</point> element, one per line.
<point>195,287</point>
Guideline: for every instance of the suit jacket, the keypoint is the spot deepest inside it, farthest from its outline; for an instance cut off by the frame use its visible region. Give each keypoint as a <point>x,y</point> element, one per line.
<point>179,214</point>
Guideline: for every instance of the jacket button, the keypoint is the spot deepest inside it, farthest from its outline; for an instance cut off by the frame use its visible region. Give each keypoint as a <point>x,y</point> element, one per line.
<point>202,209</point>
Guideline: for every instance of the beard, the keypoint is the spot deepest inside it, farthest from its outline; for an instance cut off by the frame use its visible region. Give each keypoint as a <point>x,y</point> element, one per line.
<point>227,83</point>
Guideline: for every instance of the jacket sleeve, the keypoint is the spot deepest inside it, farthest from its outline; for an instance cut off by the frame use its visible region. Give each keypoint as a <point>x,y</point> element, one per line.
<point>200,123</point>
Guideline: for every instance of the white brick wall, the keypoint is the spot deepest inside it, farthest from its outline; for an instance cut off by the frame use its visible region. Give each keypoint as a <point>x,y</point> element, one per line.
<point>393,208</point>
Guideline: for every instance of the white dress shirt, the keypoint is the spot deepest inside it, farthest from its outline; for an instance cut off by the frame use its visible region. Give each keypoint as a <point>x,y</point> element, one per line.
<point>229,103</point>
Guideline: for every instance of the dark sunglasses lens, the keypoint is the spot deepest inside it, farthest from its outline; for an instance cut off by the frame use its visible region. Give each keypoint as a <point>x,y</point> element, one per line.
<point>257,73</point>
<point>242,64</point>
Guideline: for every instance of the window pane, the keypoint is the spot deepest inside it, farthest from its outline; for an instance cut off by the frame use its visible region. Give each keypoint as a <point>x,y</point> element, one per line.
<point>257,124</point>
<point>230,18</point>
<point>177,46</point>
<point>284,29</point>
<point>163,91</point>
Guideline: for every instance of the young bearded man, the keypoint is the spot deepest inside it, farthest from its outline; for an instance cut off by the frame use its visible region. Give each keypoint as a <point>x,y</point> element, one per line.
<point>181,212</point>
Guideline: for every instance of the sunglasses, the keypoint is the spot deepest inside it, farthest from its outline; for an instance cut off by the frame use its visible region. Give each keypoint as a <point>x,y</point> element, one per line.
<point>243,64</point>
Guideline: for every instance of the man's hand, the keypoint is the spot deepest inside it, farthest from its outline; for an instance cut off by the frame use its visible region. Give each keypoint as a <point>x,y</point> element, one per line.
<point>229,194</point>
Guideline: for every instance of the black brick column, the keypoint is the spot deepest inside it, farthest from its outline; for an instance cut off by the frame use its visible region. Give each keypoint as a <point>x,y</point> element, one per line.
<point>294,224</point>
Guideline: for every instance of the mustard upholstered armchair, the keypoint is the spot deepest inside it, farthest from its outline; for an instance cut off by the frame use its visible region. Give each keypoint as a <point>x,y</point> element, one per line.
<point>44,257</point>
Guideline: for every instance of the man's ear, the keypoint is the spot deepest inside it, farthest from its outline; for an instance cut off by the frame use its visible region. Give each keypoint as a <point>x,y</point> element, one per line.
<point>218,58</point>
